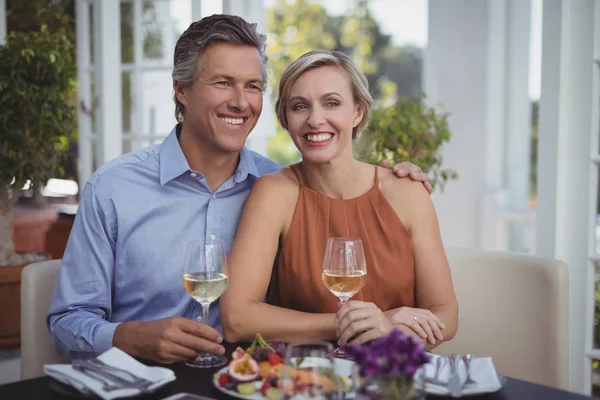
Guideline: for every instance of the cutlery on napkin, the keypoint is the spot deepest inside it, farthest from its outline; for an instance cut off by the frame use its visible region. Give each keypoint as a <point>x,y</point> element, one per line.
<point>86,380</point>
<point>481,370</point>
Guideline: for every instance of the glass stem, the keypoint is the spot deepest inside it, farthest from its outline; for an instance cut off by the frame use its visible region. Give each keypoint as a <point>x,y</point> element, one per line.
<point>205,355</point>
<point>205,307</point>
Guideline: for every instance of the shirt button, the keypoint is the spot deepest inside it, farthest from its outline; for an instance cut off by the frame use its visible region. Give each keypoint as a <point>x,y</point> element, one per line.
<point>212,237</point>
<point>199,318</point>
<point>193,174</point>
<point>214,196</point>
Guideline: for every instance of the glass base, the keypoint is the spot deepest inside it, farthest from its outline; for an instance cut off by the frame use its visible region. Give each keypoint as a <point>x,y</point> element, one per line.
<point>206,361</point>
<point>339,353</point>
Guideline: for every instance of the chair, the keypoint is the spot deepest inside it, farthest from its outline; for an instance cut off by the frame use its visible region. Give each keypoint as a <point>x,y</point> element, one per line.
<point>37,286</point>
<point>515,309</point>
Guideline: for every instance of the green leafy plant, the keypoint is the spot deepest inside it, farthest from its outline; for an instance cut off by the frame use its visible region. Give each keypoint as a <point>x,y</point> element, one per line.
<point>409,130</point>
<point>37,115</point>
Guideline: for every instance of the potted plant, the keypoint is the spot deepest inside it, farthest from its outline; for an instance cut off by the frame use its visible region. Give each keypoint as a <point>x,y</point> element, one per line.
<point>37,118</point>
<point>411,131</point>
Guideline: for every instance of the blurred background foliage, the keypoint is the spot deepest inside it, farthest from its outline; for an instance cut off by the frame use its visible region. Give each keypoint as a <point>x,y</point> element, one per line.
<point>408,130</point>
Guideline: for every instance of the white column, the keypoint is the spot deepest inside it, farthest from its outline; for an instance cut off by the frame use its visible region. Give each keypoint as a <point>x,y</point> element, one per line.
<point>242,8</point>
<point>137,82</point>
<point>455,76</point>
<point>495,124</point>
<point>518,114</point>
<point>592,212</point>
<point>107,62</point>
<point>84,91</point>
<point>518,103</point>
<point>253,11</point>
<point>196,10</point>
<point>564,155</point>
<point>494,232</point>
<point>2,21</point>
<point>208,7</point>
<point>489,103</point>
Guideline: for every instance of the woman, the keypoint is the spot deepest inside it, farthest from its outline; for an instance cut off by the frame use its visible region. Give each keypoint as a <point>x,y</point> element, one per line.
<point>324,102</point>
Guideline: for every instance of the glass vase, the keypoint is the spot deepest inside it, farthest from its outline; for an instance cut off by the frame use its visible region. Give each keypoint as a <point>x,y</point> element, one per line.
<point>395,387</point>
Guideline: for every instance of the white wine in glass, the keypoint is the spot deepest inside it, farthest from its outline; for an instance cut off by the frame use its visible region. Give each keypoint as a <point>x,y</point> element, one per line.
<point>205,288</point>
<point>344,267</point>
<point>344,286</point>
<point>205,279</point>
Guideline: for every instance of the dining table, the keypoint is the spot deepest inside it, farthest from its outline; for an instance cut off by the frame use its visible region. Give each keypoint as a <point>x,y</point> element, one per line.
<point>199,381</point>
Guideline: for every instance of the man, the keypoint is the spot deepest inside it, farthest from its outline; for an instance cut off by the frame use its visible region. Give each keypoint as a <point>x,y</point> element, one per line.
<point>120,281</point>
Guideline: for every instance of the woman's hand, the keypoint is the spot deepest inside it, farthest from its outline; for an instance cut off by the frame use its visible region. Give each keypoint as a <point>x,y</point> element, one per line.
<point>361,322</point>
<point>425,323</point>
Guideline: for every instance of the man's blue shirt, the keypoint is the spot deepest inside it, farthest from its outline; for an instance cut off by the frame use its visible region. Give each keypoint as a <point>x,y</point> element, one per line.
<point>124,258</point>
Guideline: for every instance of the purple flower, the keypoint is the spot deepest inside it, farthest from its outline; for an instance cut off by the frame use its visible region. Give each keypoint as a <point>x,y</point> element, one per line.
<point>396,354</point>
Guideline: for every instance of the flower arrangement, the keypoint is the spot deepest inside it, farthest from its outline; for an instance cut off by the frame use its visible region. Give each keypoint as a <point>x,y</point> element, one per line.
<point>387,365</point>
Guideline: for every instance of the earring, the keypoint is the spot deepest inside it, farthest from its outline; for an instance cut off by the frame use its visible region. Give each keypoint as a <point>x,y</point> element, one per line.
<point>354,124</point>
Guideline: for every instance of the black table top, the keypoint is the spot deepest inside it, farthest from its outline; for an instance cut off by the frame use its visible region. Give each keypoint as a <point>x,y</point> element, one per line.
<point>199,381</point>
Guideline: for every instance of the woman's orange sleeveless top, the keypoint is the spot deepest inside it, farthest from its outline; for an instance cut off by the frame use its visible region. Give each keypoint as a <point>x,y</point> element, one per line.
<point>296,281</point>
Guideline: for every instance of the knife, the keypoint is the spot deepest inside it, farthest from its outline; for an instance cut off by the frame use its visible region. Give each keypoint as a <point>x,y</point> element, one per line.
<point>454,385</point>
<point>83,366</point>
<point>117,370</point>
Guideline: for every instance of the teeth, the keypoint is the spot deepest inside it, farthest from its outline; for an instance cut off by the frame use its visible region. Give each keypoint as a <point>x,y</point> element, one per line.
<point>232,121</point>
<point>321,137</point>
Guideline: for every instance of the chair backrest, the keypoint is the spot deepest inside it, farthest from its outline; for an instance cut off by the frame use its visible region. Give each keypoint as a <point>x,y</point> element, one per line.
<point>515,309</point>
<point>37,286</point>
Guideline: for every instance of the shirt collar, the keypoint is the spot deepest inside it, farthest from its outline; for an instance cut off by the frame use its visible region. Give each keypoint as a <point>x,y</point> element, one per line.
<point>246,166</point>
<point>172,160</point>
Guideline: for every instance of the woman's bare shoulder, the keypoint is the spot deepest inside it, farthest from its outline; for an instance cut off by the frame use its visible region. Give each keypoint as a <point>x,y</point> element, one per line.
<point>400,189</point>
<point>282,183</point>
<point>284,174</point>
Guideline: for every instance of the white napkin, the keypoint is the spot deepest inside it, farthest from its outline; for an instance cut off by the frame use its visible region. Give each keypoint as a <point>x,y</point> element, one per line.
<point>482,372</point>
<point>117,358</point>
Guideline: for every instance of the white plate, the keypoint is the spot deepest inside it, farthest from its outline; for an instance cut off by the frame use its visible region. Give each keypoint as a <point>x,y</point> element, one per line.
<point>341,367</point>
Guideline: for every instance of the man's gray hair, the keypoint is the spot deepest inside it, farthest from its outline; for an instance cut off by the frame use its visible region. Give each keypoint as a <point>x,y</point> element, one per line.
<point>218,28</point>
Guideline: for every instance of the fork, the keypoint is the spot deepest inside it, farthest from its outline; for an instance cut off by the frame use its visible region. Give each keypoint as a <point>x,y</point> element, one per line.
<point>108,385</point>
<point>108,367</point>
<point>467,358</point>
<point>439,366</point>
<point>109,380</point>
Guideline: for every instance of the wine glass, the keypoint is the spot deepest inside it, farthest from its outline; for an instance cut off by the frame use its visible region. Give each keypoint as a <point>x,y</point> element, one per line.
<point>344,267</point>
<point>205,279</point>
<point>310,372</point>
<point>344,270</point>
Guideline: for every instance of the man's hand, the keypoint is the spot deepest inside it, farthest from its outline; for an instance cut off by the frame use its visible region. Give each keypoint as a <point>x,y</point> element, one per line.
<point>167,340</point>
<point>406,169</point>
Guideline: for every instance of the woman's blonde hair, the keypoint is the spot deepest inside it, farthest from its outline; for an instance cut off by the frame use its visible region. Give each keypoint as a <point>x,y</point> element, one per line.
<point>321,58</point>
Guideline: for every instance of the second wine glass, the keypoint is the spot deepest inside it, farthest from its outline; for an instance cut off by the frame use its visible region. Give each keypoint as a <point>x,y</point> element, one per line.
<point>344,271</point>
<point>344,267</point>
<point>205,279</point>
